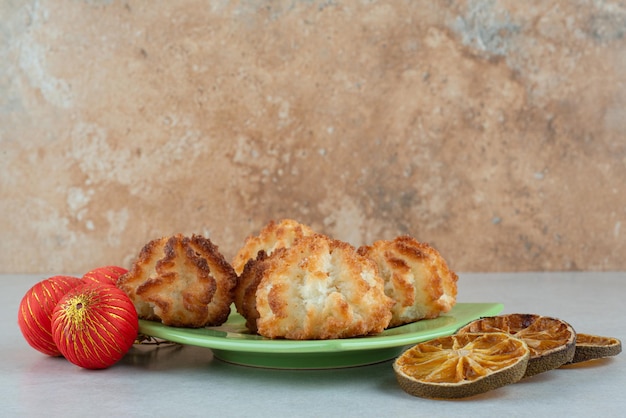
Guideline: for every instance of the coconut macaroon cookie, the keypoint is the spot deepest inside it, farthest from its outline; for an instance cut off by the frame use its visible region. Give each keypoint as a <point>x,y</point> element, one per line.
<point>181,281</point>
<point>416,277</point>
<point>318,288</point>
<point>273,236</point>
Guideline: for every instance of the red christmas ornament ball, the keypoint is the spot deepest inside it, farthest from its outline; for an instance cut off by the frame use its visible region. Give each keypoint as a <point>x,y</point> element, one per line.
<point>105,275</point>
<point>94,325</point>
<point>35,311</point>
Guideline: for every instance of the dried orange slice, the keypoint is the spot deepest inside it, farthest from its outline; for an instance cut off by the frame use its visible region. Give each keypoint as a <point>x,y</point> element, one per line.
<point>459,366</point>
<point>591,347</point>
<point>552,341</point>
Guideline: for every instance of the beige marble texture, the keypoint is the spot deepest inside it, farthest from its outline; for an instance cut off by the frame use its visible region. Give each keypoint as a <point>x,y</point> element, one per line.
<point>494,130</point>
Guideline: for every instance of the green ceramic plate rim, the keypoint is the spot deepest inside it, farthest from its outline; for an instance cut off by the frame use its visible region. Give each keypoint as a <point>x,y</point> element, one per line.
<point>232,335</point>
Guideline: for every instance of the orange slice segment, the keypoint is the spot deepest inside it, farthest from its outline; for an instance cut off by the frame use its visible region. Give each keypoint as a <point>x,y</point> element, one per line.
<point>552,341</point>
<point>591,347</point>
<point>459,366</point>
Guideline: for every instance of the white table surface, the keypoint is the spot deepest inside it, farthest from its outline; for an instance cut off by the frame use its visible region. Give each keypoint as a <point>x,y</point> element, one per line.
<point>187,381</point>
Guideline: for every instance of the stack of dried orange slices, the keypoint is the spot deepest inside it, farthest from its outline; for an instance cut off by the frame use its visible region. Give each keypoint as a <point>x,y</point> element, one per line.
<point>491,352</point>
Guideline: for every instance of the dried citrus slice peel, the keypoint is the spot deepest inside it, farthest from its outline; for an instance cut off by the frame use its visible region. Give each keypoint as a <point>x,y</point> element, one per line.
<point>552,341</point>
<point>591,347</point>
<point>459,366</point>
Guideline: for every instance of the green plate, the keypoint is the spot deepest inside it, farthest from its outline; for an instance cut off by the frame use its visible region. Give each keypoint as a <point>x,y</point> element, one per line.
<point>233,343</point>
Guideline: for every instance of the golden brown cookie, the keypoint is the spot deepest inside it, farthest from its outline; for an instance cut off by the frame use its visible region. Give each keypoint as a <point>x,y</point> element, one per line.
<point>181,281</point>
<point>273,236</point>
<point>416,277</point>
<point>318,288</point>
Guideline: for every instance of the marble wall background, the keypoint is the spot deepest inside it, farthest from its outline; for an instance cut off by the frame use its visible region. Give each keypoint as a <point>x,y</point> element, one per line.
<point>495,130</point>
